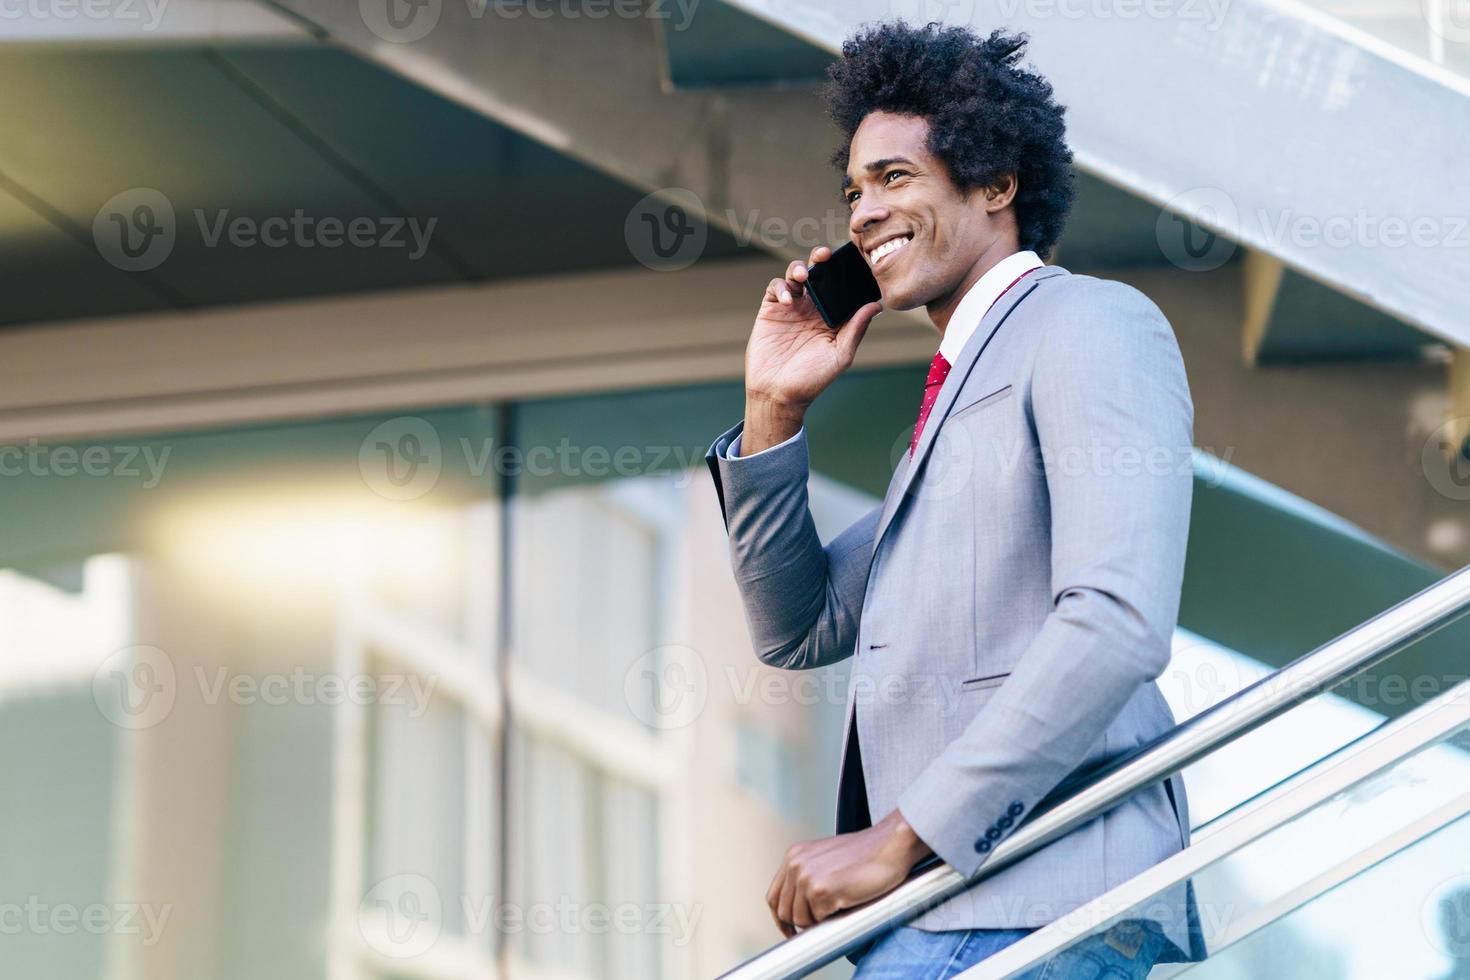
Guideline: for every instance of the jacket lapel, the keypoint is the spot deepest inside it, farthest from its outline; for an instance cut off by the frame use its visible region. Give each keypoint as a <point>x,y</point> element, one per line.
<point>944,400</point>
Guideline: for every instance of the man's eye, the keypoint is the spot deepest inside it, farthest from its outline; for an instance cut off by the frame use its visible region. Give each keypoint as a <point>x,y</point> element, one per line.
<point>850,197</point>
<point>894,173</point>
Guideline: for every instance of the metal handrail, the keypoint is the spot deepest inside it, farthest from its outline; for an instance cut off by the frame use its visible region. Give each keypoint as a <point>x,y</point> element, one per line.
<point>1359,649</point>
<point>1362,760</point>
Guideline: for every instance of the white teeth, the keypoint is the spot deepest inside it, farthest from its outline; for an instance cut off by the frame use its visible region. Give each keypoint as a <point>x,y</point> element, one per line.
<point>889,247</point>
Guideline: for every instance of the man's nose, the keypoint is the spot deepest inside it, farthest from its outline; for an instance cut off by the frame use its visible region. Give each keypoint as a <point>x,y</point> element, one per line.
<point>865,215</point>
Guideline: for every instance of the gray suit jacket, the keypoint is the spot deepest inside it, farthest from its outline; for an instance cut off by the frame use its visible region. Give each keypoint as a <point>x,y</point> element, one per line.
<point>1010,603</point>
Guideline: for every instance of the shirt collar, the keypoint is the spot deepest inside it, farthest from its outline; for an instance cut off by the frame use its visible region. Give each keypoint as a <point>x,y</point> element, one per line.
<point>977,302</point>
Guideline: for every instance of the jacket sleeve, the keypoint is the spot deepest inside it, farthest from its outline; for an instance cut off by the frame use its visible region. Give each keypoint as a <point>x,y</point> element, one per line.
<point>802,601</point>
<point>1114,421</point>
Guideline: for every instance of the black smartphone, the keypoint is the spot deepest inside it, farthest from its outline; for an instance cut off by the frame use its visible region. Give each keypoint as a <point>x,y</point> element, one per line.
<point>842,285</point>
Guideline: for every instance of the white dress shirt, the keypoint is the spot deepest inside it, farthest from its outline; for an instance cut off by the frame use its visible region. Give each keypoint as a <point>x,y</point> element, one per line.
<point>967,316</point>
<point>976,303</point>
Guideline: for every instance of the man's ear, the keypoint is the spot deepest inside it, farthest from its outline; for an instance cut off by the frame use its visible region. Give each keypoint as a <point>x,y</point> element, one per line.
<point>1000,194</point>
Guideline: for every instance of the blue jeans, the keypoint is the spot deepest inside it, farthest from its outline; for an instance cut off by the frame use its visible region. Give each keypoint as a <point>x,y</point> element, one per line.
<point>1126,951</point>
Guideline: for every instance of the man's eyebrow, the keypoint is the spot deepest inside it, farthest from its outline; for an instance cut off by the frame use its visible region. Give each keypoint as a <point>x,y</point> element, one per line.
<point>874,167</point>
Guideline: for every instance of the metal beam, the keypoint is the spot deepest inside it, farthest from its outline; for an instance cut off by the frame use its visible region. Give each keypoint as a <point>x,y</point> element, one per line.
<point>526,338</point>
<point>1274,125</point>
<point>146,22</point>
<point>592,88</point>
<point>1260,119</point>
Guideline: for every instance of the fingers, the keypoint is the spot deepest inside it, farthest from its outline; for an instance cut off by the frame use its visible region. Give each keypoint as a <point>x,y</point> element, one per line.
<point>786,903</point>
<point>802,916</point>
<point>850,334</point>
<point>773,900</point>
<point>786,290</point>
<point>796,278</point>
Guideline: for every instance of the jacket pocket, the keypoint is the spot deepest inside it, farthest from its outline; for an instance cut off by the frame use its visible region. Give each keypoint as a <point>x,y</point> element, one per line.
<point>984,401</point>
<point>980,683</point>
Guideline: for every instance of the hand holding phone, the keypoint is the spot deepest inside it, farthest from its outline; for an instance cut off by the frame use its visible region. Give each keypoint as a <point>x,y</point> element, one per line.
<point>793,354</point>
<point>842,285</point>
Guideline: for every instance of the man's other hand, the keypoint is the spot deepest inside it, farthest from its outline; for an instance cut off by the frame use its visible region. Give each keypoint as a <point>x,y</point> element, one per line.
<point>822,877</point>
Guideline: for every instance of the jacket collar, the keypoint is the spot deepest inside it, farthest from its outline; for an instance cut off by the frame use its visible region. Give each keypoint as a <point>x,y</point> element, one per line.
<point>981,296</point>
<point>989,324</point>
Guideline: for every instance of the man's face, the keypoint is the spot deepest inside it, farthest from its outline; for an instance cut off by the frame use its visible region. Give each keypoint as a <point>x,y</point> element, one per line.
<point>921,237</point>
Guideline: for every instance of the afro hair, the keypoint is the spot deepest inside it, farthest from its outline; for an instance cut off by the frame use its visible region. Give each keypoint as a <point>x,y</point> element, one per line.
<point>987,116</point>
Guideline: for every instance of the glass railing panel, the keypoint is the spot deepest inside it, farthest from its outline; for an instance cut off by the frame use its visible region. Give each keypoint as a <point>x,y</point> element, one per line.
<point>1202,674</point>
<point>1258,887</point>
<point>1405,915</point>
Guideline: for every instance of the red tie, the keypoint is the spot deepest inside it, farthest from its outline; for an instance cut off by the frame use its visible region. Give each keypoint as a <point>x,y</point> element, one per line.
<point>938,371</point>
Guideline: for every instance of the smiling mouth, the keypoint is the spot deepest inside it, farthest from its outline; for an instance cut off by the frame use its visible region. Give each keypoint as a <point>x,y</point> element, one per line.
<point>882,255</point>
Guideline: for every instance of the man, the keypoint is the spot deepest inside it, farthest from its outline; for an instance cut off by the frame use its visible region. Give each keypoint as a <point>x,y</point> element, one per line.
<point>1026,563</point>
